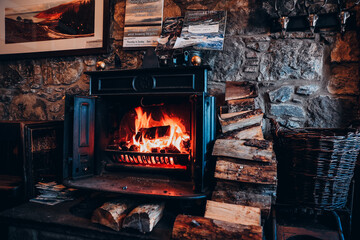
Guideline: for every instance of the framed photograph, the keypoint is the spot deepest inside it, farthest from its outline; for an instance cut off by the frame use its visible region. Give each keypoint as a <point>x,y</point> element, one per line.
<point>52,28</point>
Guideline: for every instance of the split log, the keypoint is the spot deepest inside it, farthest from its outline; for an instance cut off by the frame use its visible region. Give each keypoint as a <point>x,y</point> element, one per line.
<point>233,213</point>
<point>250,132</point>
<point>112,214</point>
<point>226,115</point>
<point>256,150</point>
<point>249,172</point>
<point>144,217</point>
<point>241,105</point>
<point>234,121</point>
<point>253,195</point>
<point>248,187</point>
<point>238,105</point>
<point>194,227</point>
<point>238,90</point>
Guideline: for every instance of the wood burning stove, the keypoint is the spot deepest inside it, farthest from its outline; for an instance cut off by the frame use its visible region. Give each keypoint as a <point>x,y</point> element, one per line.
<point>145,131</point>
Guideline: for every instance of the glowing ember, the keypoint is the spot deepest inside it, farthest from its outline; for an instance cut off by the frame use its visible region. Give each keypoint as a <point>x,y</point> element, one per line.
<point>151,135</point>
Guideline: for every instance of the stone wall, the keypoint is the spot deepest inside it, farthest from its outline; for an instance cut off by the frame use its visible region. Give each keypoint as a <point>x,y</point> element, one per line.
<point>304,79</point>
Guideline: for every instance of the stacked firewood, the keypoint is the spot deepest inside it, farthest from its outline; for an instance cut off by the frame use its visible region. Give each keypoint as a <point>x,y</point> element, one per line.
<point>245,173</point>
<point>120,214</point>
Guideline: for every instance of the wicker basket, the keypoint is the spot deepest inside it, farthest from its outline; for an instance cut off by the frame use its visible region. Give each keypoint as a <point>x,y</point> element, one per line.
<point>316,166</point>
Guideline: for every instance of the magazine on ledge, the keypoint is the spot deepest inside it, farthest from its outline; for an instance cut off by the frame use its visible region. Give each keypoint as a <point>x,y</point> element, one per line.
<point>51,193</point>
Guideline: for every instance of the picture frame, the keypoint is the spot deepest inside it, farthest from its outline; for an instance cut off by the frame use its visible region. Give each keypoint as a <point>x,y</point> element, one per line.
<point>53,28</point>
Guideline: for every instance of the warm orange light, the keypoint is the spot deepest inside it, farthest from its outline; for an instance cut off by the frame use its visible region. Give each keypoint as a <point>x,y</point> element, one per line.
<point>174,136</point>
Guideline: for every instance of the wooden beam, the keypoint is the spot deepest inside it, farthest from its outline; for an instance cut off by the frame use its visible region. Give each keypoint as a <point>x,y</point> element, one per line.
<point>144,217</point>
<point>249,172</point>
<point>253,195</point>
<point>233,213</point>
<point>256,150</point>
<point>112,214</point>
<point>194,227</point>
<point>238,90</point>
<point>237,120</point>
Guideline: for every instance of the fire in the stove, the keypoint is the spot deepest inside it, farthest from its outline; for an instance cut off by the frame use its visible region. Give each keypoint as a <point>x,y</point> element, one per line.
<point>167,135</point>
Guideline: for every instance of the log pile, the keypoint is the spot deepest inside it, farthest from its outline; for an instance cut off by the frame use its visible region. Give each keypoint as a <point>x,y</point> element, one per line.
<point>245,173</point>
<point>124,214</point>
<point>246,167</point>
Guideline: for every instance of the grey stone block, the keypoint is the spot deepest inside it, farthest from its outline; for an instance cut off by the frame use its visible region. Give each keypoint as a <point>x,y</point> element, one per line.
<point>282,94</point>
<point>292,59</point>
<point>287,110</point>
<point>307,90</point>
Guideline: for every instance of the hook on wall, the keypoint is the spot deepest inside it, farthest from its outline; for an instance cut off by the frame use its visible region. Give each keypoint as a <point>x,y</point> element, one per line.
<point>284,18</point>
<point>345,14</point>
<point>313,17</point>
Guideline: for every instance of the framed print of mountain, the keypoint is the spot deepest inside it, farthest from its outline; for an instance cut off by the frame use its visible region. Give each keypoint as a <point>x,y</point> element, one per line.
<point>40,28</point>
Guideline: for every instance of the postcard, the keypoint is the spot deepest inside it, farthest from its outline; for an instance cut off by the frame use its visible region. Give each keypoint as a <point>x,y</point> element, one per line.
<point>143,21</point>
<point>203,30</point>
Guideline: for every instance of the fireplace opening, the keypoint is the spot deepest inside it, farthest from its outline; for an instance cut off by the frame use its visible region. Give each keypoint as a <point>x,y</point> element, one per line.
<point>144,131</point>
<point>150,133</point>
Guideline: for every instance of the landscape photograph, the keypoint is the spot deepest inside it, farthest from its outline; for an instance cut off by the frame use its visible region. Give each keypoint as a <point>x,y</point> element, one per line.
<point>61,19</point>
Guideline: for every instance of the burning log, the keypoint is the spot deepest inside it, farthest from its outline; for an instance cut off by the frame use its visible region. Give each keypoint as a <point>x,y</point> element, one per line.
<point>134,148</point>
<point>171,149</point>
<point>249,172</point>
<point>152,133</point>
<point>194,227</point>
<point>234,121</point>
<point>244,149</point>
<point>233,213</point>
<point>111,214</point>
<point>144,217</point>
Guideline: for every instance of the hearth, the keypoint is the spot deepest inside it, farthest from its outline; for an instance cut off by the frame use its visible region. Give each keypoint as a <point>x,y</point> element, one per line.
<point>145,131</point>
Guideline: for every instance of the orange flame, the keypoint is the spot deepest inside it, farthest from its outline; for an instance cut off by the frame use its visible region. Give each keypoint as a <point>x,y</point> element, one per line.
<point>175,136</point>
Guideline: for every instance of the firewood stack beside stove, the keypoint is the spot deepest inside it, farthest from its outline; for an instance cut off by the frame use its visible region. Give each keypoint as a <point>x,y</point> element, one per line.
<point>245,173</point>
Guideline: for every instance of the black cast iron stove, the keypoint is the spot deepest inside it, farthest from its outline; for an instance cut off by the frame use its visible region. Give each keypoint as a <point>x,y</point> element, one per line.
<point>144,132</point>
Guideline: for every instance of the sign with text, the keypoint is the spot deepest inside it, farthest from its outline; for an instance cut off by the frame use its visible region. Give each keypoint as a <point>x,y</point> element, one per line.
<point>143,19</point>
